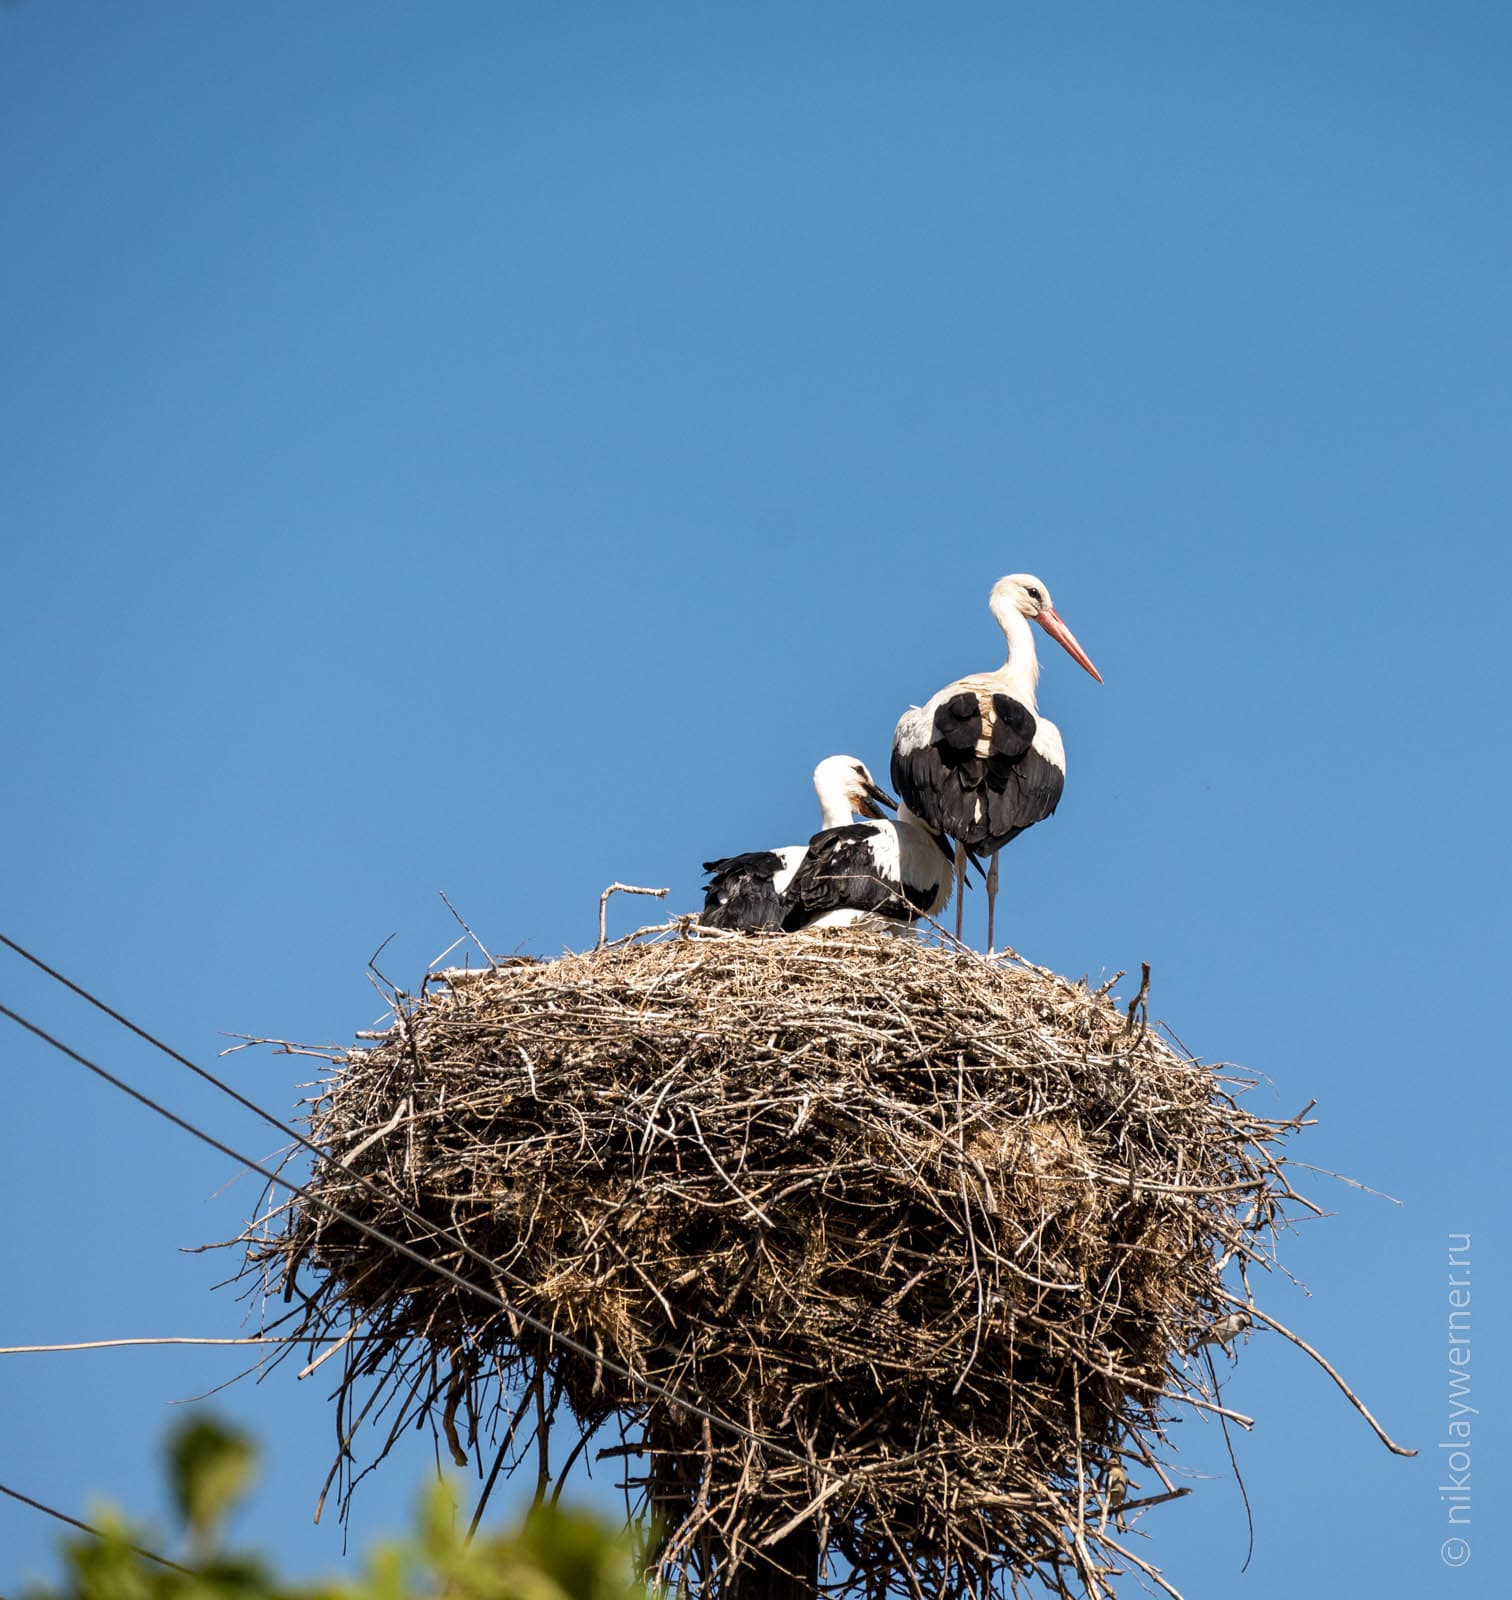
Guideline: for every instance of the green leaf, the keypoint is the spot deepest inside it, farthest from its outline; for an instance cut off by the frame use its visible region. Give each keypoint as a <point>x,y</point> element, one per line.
<point>210,1467</point>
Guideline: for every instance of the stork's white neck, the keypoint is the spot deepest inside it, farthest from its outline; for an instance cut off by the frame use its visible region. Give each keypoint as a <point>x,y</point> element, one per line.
<point>1019,674</point>
<point>834,800</point>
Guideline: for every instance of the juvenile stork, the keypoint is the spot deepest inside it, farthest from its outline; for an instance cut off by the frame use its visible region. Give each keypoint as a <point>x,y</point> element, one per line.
<point>746,891</point>
<point>873,874</point>
<point>977,762</point>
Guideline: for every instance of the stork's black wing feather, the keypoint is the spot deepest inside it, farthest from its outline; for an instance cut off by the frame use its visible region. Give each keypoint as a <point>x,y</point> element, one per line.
<point>980,801</point>
<point>1030,792</point>
<point>1013,730</point>
<point>741,893</point>
<point>840,873</point>
<point>934,762</point>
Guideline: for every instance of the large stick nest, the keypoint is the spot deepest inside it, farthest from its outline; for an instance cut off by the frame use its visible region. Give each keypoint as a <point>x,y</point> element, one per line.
<point>937,1235</point>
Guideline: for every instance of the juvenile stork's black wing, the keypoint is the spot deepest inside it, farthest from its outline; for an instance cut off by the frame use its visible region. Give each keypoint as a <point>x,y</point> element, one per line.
<point>854,868</point>
<point>742,893</point>
<point>939,768</point>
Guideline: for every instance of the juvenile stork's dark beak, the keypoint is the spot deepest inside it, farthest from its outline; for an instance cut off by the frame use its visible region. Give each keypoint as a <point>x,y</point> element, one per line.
<point>873,799</point>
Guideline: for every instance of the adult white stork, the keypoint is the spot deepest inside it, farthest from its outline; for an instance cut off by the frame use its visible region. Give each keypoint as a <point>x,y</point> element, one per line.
<point>746,891</point>
<point>976,761</point>
<point>872,874</point>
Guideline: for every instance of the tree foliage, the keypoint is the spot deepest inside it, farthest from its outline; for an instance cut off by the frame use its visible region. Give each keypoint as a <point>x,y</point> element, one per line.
<point>554,1554</point>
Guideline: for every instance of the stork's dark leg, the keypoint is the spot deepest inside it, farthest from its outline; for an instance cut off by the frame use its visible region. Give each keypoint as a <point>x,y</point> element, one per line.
<point>960,888</point>
<point>992,883</point>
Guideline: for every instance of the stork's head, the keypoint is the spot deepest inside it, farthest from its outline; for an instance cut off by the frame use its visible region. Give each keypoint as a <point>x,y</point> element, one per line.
<point>1025,594</point>
<point>844,775</point>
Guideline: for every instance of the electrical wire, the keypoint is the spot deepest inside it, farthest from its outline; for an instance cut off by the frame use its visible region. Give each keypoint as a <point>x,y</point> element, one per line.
<point>85,1527</point>
<point>564,1341</point>
<point>376,1190</point>
<point>177,1055</point>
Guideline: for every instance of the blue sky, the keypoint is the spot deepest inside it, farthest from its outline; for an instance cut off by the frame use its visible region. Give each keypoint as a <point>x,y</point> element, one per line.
<point>501,448</point>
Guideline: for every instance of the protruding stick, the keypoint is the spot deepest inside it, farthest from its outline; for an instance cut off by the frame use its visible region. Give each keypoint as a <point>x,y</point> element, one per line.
<point>1348,1393</point>
<point>620,888</point>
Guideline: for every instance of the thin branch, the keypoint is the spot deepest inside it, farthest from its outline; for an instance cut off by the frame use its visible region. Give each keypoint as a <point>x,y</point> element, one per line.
<point>468,931</point>
<point>1348,1393</point>
<point>118,1344</point>
<point>621,888</point>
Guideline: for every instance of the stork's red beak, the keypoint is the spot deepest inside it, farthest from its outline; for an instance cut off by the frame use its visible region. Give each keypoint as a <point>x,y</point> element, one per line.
<point>1050,621</point>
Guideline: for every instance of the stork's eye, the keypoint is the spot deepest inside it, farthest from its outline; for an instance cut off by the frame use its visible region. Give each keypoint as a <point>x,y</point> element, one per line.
<point>1035,595</point>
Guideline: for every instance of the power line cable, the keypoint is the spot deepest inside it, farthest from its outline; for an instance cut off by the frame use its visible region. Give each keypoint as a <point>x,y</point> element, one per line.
<point>376,1190</point>
<point>85,1527</point>
<point>177,1055</point>
<point>553,1335</point>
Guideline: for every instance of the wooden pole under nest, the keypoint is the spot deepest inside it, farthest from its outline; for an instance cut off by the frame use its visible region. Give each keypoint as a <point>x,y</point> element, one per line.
<point>792,1575</point>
